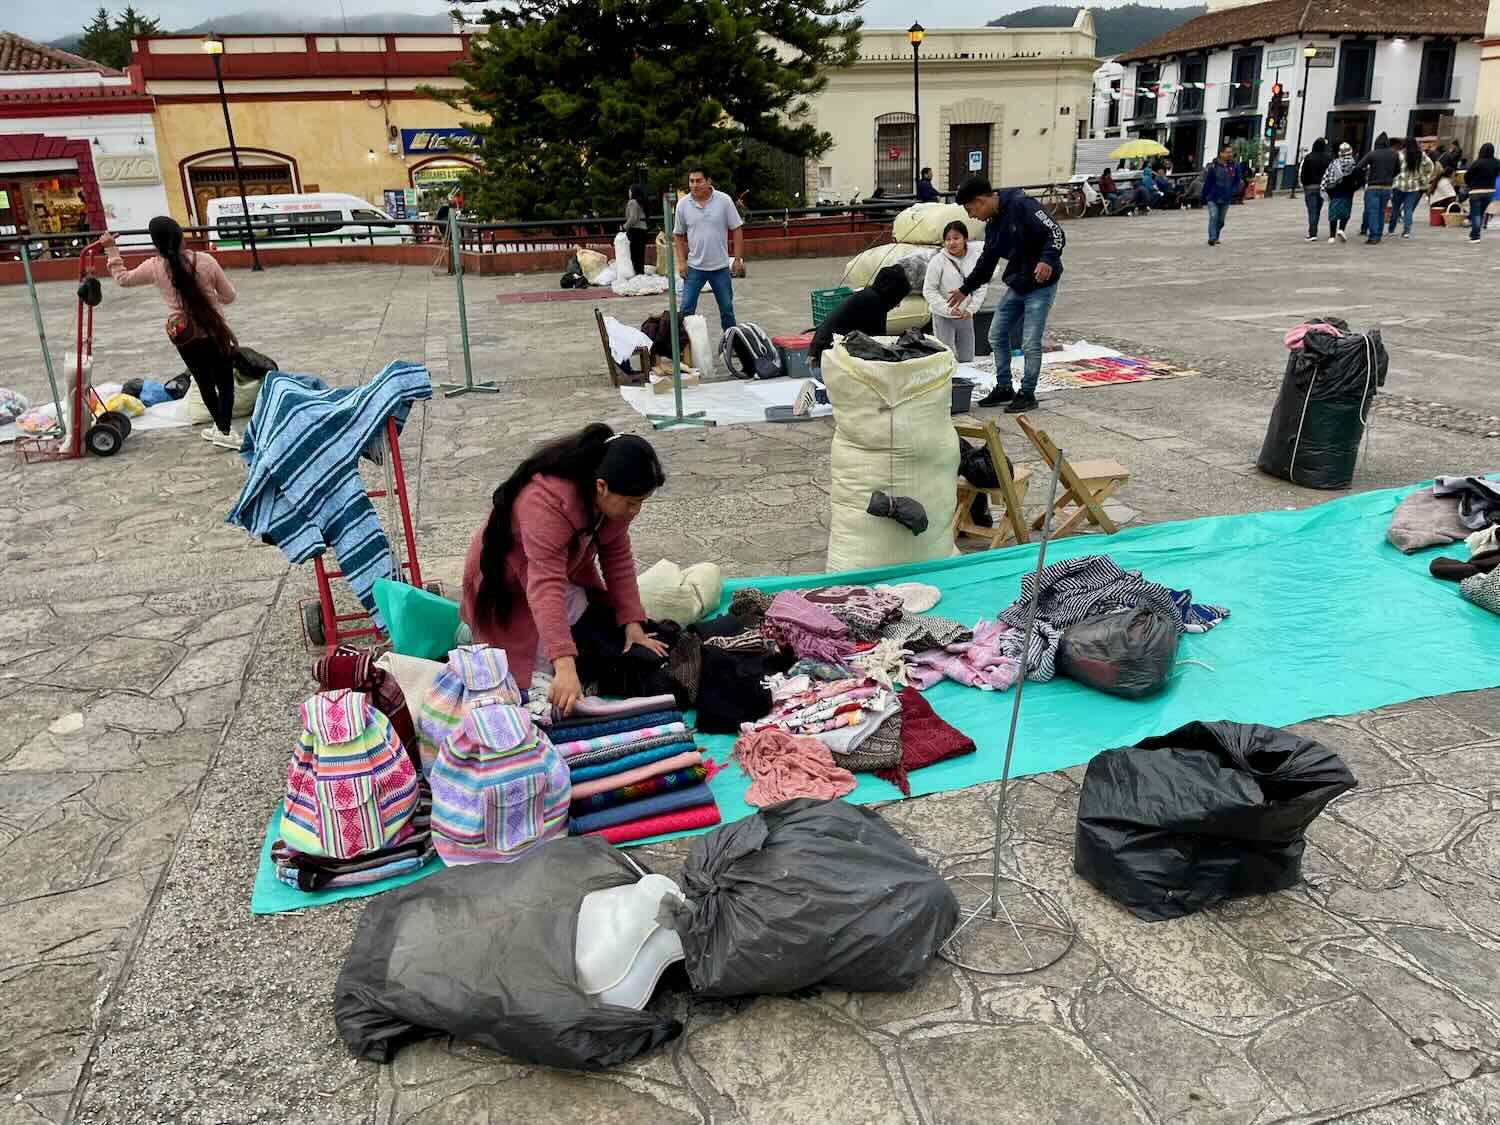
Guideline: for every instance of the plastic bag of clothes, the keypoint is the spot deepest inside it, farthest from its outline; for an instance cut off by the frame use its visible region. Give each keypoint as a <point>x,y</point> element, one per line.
<point>1128,653</point>
<point>1319,418</point>
<point>487,953</point>
<point>1209,812</point>
<point>810,893</point>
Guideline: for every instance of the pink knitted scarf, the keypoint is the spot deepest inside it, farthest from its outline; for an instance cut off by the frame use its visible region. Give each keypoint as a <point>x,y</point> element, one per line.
<point>809,630</point>
<point>782,766</point>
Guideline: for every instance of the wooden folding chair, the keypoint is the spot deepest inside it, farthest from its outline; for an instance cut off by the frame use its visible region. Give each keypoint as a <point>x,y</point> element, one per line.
<point>618,374</point>
<point>1086,484</point>
<point>1009,496</point>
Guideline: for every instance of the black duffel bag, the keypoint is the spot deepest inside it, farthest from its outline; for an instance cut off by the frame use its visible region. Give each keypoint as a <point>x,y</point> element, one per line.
<point>1318,421</point>
<point>1209,812</point>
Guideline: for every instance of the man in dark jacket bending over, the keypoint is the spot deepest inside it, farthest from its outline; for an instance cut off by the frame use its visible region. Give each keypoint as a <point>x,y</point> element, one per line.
<point>1020,230</point>
<point>864,311</point>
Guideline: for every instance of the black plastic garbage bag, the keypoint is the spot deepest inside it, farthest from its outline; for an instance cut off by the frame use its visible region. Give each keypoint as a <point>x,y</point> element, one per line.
<point>810,893</point>
<point>1318,421</point>
<point>1209,812</point>
<point>1127,653</point>
<point>485,953</point>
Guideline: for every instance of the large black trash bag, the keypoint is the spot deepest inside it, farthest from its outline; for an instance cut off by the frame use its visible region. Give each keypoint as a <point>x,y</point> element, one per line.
<point>1318,421</point>
<point>485,953</point>
<point>1209,812</point>
<point>810,893</point>
<point>1128,653</point>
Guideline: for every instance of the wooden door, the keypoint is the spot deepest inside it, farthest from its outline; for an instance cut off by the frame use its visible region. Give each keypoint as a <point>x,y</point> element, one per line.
<point>963,140</point>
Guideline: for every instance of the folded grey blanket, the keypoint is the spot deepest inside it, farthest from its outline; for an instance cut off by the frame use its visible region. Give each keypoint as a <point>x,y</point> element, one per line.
<point>1425,520</point>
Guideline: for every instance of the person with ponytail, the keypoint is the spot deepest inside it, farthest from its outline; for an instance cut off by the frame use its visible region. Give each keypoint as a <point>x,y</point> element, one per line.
<point>555,552</point>
<point>195,290</point>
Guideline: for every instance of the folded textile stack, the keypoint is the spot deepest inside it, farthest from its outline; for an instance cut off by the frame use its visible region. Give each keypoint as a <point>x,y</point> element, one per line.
<point>635,770</point>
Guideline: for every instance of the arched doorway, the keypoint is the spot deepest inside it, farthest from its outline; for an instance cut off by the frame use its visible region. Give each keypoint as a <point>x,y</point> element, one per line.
<point>435,178</point>
<point>210,175</point>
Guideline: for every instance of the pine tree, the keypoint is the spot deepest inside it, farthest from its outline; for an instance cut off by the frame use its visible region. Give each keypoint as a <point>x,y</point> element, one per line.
<point>584,97</point>
<point>98,42</point>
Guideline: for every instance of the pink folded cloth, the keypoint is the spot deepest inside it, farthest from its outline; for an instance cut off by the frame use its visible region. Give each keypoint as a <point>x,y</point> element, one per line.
<point>596,707</point>
<point>809,630</point>
<point>683,820</point>
<point>641,773</point>
<point>1294,336</point>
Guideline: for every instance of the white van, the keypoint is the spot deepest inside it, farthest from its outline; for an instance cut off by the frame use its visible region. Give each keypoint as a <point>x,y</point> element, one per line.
<point>315,218</point>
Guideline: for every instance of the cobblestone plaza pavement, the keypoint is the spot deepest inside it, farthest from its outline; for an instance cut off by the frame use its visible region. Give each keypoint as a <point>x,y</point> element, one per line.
<point>151,660</point>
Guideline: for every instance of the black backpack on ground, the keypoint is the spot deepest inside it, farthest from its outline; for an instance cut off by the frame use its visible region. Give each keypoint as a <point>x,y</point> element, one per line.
<point>747,353</point>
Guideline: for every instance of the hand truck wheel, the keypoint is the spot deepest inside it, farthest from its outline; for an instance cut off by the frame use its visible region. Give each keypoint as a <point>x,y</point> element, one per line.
<point>312,622</point>
<point>104,438</point>
<point>121,421</point>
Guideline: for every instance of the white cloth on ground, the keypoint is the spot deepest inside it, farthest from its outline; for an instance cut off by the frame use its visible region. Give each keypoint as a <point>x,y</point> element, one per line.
<point>916,597</point>
<point>624,340</point>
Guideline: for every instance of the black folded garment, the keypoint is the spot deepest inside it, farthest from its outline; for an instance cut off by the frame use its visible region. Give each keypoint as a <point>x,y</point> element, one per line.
<point>904,510</point>
<point>911,344</point>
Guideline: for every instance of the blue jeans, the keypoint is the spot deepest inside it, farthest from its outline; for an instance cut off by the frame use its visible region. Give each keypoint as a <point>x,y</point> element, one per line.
<point>1404,208</point>
<point>1479,202</point>
<point>718,281</point>
<point>1217,214</point>
<point>1031,310</point>
<point>1375,200</point>
<point>1313,197</point>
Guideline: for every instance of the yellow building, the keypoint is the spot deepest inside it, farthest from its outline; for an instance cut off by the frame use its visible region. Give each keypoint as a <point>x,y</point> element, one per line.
<point>1487,95</point>
<point>1005,102</point>
<point>338,113</point>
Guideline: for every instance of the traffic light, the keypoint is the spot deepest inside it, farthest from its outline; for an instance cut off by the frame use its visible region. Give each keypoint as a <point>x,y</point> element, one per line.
<point>1276,113</point>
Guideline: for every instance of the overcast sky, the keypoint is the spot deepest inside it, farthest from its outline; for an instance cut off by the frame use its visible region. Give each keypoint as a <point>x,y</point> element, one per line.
<point>56,18</point>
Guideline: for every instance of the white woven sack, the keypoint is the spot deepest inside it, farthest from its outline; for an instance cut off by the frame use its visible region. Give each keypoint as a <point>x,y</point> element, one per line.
<point>684,596</point>
<point>912,312</point>
<point>245,393</point>
<point>923,223</point>
<point>624,267</point>
<point>863,267</point>
<point>593,264</point>
<point>893,433</point>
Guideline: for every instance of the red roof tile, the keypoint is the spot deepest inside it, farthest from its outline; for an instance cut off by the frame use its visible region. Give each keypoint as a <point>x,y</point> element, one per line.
<point>18,53</point>
<point>1276,18</point>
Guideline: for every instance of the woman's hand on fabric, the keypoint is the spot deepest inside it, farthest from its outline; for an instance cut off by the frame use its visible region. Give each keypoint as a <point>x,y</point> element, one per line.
<point>635,634</point>
<point>565,690</point>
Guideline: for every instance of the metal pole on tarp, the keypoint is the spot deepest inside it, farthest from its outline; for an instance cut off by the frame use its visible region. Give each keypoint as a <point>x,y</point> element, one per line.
<point>669,271</point>
<point>61,421</point>
<point>988,929</point>
<point>453,390</point>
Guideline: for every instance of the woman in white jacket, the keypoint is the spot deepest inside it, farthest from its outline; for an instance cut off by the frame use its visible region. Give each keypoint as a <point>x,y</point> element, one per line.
<point>948,269</point>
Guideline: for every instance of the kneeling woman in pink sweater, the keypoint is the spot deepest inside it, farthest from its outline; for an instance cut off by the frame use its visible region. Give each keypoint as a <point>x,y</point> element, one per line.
<point>534,570</point>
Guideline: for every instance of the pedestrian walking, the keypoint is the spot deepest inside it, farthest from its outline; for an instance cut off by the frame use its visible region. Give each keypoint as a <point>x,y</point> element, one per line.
<point>195,291</point>
<point>1380,165</point>
<point>1220,183</point>
<point>635,226</point>
<point>1340,183</point>
<point>1480,180</point>
<point>1020,230</point>
<point>1411,181</point>
<point>1314,165</point>
<point>705,218</point>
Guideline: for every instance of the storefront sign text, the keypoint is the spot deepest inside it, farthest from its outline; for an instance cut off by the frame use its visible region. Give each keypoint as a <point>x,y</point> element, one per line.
<point>127,169</point>
<point>426,142</point>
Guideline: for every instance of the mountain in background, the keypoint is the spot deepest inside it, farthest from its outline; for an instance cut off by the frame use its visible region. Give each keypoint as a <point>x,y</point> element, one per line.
<point>1118,29</point>
<point>281,23</point>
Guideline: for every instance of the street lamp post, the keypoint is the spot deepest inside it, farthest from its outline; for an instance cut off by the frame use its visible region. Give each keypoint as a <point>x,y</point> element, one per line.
<point>914,33</point>
<point>214,47</point>
<point>1308,54</point>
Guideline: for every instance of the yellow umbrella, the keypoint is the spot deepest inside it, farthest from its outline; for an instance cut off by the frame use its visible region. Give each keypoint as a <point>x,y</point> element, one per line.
<point>1138,149</point>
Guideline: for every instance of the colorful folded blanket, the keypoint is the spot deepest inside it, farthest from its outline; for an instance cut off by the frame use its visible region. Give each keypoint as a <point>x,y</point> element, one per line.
<point>689,798</point>
<point>575,730</point>
<point>630,777</point>
<point>684,820</point>
<point>606,742</point>
<point>644,758</point>
<point>596,709</point>
<point>625,749</point>
<point>639,790</point>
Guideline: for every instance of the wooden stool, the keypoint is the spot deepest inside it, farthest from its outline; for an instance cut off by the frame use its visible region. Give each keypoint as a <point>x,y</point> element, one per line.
<point>1086,484</point>
<point>1007,498</point>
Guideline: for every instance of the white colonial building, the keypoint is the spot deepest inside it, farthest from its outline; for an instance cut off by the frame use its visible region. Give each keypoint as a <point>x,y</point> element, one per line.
<point>1349,71</point>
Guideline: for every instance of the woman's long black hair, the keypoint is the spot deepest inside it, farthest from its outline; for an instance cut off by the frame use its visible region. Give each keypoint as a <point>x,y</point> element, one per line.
<point>166,236</point>
<point>638,193</point>
<point>626,463</point>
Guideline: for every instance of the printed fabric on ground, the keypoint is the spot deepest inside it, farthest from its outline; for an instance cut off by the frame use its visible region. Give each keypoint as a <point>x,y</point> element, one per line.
<point>863,610</point>
<point>925,740</point>
<point>303,492</point>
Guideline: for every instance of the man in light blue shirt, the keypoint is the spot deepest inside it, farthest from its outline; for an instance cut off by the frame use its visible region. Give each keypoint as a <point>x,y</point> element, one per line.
<point>703,222</point>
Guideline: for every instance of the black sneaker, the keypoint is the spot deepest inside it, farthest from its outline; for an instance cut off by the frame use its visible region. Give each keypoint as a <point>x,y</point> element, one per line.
<point>1021,404</point>
<point>997,396</point>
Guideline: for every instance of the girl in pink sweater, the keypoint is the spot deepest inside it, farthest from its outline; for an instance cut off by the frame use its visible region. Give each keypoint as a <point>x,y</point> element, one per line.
<point>535,567</point>
<point>195,290</point>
